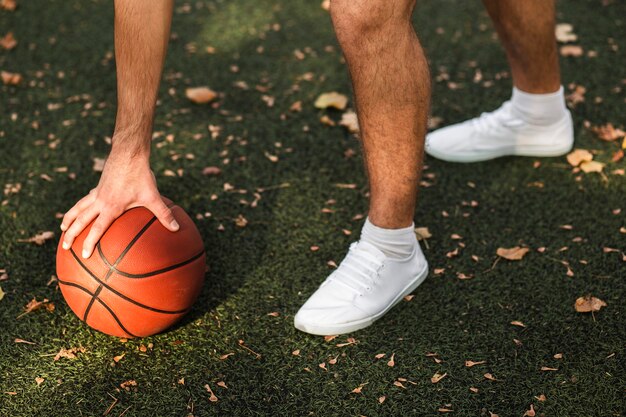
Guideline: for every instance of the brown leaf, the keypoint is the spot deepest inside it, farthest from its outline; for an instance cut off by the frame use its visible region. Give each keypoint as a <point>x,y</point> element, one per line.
<point>98,164</point>
<point>358,389</point>
<point>381,399</point>
<point>437,377</point>
<point>380,355</point>
<point>211,171</point>
<point>608,132</point>
<point>391,362</point>
<point>512,254</point>
<point>564,33</point>
<point>588,304</point>
<point>213,398</point>
<point>332,99</point>
<point>118,358</point>
<point>531,412</point>
<point>577,156</point>
<point>422,233</point>
<point>469,364</point>
<point>591,166</point>
<point>38,239</point>
<point>39,380</point>
<point>69,353</point>
<point>445,410</point>
<point>200,95</point>
<point>571,50</point>
<point>8,42</point>
<point>9,5</point>
<point>490,377</point>
<point>34,305</point>
<point>10,78</point>
<point>518,323</point>
<point>546,368</point>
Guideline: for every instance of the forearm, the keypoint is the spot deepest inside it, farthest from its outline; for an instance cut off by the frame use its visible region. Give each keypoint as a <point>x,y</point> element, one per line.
<point>142,30</point>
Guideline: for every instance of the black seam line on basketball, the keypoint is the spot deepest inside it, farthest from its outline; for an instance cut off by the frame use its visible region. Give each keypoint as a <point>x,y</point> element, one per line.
<point>115,317</point>
<point>72,284</point>
<point>94,297</point>
<point>135,239</point>
<point>158,271</point>
<point>119,294</point>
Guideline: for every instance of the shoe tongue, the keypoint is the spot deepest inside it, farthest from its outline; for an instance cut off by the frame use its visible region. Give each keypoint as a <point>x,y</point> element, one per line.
<point>370,249</point>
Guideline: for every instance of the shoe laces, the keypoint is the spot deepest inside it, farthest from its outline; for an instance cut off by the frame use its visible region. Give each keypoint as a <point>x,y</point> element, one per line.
<point>501,117</point>
<point>359,270</point>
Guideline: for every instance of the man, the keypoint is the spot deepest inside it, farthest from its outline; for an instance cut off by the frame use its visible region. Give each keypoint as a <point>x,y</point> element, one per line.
<point>392,92</point>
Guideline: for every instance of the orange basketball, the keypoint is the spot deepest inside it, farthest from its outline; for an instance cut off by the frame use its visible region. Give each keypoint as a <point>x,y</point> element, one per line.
<point>140,279</point>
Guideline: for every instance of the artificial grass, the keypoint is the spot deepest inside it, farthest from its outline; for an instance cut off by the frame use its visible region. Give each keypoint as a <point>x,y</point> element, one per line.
<point>268,266</point>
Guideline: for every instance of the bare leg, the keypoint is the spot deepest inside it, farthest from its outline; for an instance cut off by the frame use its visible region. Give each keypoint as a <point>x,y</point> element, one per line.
<point>141,34</point>
<point>526,29</point>
<point>392,89</point>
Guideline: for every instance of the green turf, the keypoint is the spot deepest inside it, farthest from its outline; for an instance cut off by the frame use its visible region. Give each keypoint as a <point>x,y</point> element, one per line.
<point>267,266</point>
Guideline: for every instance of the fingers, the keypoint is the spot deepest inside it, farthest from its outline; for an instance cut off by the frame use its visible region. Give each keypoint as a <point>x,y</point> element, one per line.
<point>78,208</point>
<point>101,224</point>
<point>164,214</point>
<point>78,226</point>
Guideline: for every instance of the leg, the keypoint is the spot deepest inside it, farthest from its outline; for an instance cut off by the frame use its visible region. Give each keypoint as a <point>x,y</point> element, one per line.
<point>535,122</point>
<point>526,30</point>
<point>141,33</point>
<point>392,90</point>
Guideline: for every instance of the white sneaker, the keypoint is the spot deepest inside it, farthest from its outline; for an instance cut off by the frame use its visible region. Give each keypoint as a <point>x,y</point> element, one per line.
<point>362,289</point>
<point>497,134</point>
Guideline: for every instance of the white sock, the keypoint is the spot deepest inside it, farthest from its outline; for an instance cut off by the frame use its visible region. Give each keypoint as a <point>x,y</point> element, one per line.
<point>539,109</point>
<point>394,243</point>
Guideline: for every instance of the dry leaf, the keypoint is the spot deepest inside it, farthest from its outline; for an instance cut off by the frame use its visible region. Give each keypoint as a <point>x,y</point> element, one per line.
<point>545,368</point>
<point>530,413</point>
<point>69,353</point>
<point>358,389</point>
<point>591,166</point>
<point>9,5</point>
<point>571,50</point>
<point>437,377</point>
<point>512,254</point>
<point>98,164</point>
<point>588,304</point>
<point>350,121</point>
<point>541,398</point>
<point>469,364</point>
<point>222,384</point>
<point>34,305</point>
<point>577,156</point>
<point>223,357</point>
<point>445,410</point>
<point>8,42</point>
<point>422,233</point>
<point>564,33</point>
<point>380,355</point>
<point>200,95</point>
<point>332,99</point>
<point>330,338</point>
<point>211,171</point>
<point>608,132</point>
<point>518,323</point>
<point>2,294</point>
<point>39,239</point>
<point>213,398</point>
<point>391,362</point>
<point>381,399</point>
<point>39,380</point>
<point>490,377</point>
<point>10,78</point>
<point>118,358</point>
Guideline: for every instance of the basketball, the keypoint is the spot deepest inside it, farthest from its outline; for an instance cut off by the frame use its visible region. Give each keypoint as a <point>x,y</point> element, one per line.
<point>140,279</point>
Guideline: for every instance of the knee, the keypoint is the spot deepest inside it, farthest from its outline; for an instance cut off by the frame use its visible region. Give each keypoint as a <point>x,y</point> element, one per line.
<point>355,19</point>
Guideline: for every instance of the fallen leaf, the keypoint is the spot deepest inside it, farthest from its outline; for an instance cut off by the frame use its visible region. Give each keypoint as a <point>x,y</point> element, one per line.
<point>98,164</point>
<point>558,356</point>
<point>350,121</point>
<point>608,132</point>
<point>2,294</point>
<point>274,314</point>
<point>38,239</point>
<point>222,384</point>
<point>437,377</point>
<point>541,398</point>
<point>296,352</point>
<point>381,399</point>
<point>9,5</point>
<point>422,233</point>
<point>577,156</point>
<point>358,389</point>
<point>10,78</point>
<point>409,297</point>
<point>200,95</point>
<point>518,323</point>
<point>469,364</point>
<point>296,106</point>
<point>39,380</point>
<point>211,171</point>
<point>571,50</point>
<point>34,305</point>
<point>8,42</point>
<point>564,33</point>
<point>69,353</point>
<point>330,338</point>
<point>530,413</point>
<point>445,410</point>
<point>213,398</point>
<point>332,99</point>
<point>490,377</point>
<point>223,357</point>
<point>588,304</point>
<point>591,166</point>
<point>118,358</point>
<point>512,254</point>
<point>380,355</point>
<point>391,362</point>
<point>546,368</point>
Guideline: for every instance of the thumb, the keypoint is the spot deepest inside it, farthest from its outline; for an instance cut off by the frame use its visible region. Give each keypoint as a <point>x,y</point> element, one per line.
<point>164,214</point>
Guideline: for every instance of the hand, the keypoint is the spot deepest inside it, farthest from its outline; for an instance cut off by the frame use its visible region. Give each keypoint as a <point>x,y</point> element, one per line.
<point>126,182</point>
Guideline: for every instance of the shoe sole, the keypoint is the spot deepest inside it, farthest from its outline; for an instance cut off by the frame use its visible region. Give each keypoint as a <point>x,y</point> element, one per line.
<point>363,323</point>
